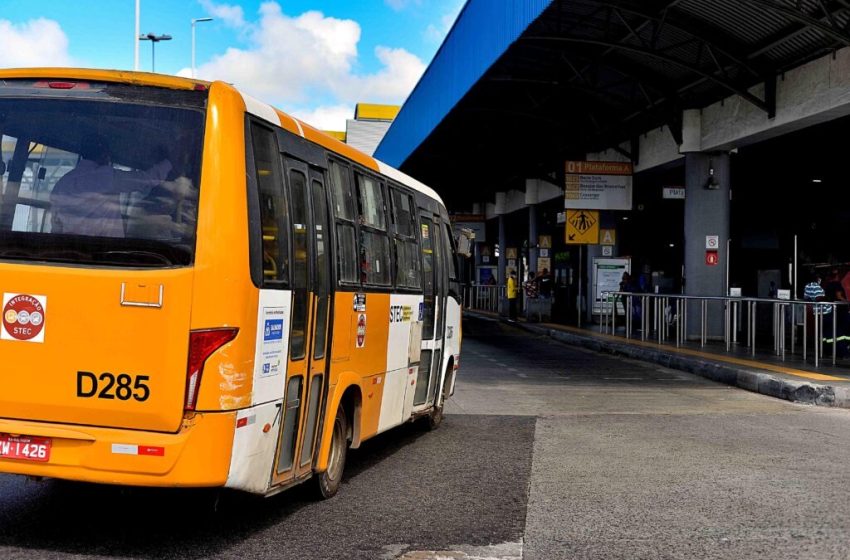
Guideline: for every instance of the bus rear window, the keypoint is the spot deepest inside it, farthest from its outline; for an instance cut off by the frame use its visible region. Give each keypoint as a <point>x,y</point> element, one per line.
<point>100,179</point>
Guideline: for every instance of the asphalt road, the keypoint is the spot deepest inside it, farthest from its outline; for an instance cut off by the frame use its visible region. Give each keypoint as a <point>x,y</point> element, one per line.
<point>546,452</point>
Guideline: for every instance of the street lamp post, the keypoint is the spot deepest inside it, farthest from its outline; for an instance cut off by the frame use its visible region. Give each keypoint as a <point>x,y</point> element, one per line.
<point>154,39</point>
<point>194,21</point>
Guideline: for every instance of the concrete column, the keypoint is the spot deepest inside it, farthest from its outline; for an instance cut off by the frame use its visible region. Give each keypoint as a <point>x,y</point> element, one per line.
<point>503,261</point>
<point>532,238</point>
<point>706,213</point>
<point>532,187</point>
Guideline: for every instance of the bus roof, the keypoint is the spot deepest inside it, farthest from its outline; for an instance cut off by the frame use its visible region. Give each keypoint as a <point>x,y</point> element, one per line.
<point>253,106</point>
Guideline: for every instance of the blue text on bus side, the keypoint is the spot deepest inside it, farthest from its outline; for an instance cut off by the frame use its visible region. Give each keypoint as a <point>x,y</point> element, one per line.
<point>273,330</point>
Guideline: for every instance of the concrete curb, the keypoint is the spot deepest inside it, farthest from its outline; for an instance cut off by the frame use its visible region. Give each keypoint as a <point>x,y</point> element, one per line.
<point>765,383</point>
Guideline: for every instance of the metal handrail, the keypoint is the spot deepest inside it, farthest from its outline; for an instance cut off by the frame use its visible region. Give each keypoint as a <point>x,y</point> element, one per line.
<point>657,316</point>
<point>484,297</point>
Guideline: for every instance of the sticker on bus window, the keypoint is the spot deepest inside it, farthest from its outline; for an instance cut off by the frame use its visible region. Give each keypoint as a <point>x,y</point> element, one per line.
<point>24,316</point>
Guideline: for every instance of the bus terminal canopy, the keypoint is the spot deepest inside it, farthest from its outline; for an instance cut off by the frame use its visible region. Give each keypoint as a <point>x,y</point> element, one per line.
<point>519,86</point>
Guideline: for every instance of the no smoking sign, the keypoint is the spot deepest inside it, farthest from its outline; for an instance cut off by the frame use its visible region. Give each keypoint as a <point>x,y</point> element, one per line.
<point>712,242</point>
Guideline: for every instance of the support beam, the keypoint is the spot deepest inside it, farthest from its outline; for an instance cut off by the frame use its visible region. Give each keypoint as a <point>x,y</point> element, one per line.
<point>807,20</point>
<point>658,56</point>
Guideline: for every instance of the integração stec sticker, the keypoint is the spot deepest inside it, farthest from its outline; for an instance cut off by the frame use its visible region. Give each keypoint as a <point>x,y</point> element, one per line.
<point>24,316</point>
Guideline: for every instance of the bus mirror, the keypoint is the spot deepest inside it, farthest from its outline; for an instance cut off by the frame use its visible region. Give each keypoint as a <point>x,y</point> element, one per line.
<point>42,173</point>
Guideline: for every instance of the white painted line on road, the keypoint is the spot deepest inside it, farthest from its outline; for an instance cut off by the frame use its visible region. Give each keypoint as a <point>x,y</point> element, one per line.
<point>623,378</point>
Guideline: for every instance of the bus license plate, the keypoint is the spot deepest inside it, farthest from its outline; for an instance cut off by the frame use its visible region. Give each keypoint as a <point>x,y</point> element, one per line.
<point>25,448</point>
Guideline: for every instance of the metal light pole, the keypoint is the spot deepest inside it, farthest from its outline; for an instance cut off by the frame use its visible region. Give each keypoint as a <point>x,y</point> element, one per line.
<point>154,39</point>
<point>194,21</point>
<point>136,38</point>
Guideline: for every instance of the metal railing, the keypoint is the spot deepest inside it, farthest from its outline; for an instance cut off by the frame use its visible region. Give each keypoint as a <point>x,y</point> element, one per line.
<point>483,297</point>
<point>664,317</point>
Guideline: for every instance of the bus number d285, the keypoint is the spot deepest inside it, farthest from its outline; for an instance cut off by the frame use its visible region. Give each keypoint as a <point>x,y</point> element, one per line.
<point>110,386</point>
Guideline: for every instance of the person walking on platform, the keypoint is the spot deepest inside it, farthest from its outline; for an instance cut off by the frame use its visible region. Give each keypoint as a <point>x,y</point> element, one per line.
<point>512,290</point>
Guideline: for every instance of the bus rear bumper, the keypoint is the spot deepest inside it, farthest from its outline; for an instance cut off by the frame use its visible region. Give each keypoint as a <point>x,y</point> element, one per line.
<point>196,456</point>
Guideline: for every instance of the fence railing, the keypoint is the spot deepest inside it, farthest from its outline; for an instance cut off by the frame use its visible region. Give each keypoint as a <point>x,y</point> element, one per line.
<point>665,318</point>
<point>483,297</point>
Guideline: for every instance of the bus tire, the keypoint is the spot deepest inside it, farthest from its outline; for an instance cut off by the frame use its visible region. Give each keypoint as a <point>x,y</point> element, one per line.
<point>328,482</point>
<point>435,418</point>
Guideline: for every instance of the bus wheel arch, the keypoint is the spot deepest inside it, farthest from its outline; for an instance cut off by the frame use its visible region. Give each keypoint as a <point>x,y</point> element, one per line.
<point>352,403</point>
<point>329,481</point>
<point>347,395</point>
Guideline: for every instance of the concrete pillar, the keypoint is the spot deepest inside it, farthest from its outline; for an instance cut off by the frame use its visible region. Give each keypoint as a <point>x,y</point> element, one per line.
<point>532,238</point>
<point>531,199</point>
<point>706,214</point>
<point>503,261</point>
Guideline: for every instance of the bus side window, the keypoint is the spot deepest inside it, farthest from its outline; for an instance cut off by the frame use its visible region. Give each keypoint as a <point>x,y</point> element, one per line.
<point>375,260</point>
<point>408,259</point>
<point>344,213</point>
<point>272,206</point>
<point>450,256</point>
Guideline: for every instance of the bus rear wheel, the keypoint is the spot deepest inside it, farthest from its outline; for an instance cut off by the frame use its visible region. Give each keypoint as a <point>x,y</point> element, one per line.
<point>328,482</point>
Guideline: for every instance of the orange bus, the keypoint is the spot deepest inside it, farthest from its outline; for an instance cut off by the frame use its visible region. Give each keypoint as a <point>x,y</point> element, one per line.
<point>200,290</point>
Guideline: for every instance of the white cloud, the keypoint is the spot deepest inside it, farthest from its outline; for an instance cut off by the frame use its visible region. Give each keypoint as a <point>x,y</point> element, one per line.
<point>310,60</point>
<point>394,82</point>
<point>437,32</point>
<point>230,15</point>
<point>331,117</point>
<point>37,42</point>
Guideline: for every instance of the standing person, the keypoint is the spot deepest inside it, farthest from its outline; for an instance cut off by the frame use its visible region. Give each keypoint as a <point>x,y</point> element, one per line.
<point>834,292</point>
<point>544,284</point>
<point>512,296</point>
<point>531,285</point>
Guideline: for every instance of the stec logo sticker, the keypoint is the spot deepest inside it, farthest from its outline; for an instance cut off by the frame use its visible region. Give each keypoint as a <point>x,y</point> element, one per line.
<point>23,317</point>
<point>273,330</point>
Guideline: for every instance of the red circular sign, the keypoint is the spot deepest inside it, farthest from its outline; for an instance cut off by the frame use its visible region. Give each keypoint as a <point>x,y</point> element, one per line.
<point>361,330</point>
<point>23,317</point>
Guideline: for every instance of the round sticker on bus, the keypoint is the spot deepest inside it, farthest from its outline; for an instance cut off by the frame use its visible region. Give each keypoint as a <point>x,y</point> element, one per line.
<point>23,317</point>
<point>361,330</point>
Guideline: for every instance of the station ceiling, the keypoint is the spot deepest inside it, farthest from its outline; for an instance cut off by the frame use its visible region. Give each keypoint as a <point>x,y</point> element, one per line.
<point>517,87</point>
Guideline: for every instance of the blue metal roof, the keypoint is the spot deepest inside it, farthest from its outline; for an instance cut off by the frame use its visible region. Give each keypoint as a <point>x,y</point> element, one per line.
<point>481,34</point>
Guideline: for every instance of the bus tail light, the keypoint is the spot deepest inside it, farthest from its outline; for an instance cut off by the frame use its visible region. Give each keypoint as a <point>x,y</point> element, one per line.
<point>201,346</point>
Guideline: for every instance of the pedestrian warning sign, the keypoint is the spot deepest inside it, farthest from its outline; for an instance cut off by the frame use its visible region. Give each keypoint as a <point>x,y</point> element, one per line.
<point>582,227</point>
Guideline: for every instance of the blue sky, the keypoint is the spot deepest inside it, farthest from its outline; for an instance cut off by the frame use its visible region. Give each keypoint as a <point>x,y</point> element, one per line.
<point>314,58</point>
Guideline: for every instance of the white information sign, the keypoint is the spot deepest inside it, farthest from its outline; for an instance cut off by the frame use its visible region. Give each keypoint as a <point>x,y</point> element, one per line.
<point>712,242</point>
<point>598,185</point>
<point>676,193</point>
<point>607,274</point>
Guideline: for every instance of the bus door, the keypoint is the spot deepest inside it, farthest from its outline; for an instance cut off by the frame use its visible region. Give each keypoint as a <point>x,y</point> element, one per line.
<point>305,377</point>
<point>433,315</point>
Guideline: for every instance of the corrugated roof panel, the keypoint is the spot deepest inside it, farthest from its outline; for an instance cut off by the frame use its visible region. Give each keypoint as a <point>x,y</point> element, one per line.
<point>365,135</point>
<point>468,51</point>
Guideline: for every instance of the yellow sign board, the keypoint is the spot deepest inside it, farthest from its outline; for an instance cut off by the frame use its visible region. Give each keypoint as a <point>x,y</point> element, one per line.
<point>582,227</point>
<point>607,236</point>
